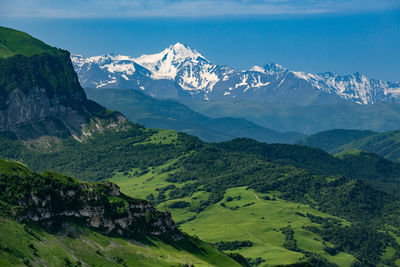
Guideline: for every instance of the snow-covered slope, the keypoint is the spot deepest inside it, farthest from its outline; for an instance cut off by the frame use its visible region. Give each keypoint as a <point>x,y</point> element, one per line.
<point>357,87</point>
<point>186,66</point>
<point>108,70</point>
<point>180,71</point>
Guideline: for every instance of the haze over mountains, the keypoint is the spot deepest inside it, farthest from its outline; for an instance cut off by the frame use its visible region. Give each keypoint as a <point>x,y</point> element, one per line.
<point>181,72</point>
<point>169,114</point>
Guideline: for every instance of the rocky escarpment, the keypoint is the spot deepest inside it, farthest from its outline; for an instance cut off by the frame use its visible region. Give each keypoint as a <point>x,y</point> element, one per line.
<point>51,199</point>
<point>40,95</point>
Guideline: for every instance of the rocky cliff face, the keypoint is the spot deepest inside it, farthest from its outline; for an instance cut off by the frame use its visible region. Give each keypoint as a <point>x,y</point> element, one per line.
<point>41,95</point>
<point>51,199</point>
<point>119,215</point>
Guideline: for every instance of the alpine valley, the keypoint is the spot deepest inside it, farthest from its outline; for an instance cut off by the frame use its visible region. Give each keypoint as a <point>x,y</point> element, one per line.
<point>158,197</point>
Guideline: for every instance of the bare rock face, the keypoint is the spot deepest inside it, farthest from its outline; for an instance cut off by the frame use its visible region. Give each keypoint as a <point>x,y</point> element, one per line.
<point>41,96</point>
<point>102,207</point>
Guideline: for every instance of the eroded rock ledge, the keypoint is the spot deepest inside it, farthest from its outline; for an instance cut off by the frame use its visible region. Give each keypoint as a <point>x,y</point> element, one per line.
<point>51,199</point>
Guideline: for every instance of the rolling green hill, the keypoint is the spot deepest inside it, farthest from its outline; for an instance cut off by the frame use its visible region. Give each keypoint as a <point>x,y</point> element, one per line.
<point>240,199</point>
<point>332,139</point>
<point>51,229</point>
<point>13,42</point>
<point>384,144</point>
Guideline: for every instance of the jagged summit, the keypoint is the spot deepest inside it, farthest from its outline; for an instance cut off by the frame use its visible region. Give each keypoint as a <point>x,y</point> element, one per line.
<point>183,51</point>
<point>180,71</point>
<point>166,64</point>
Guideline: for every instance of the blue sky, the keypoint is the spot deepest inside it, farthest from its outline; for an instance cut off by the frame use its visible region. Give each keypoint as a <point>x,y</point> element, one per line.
<point>342,36</point>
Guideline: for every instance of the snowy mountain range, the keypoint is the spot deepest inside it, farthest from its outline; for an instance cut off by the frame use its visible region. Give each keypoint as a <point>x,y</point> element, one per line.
<point>181,72</point>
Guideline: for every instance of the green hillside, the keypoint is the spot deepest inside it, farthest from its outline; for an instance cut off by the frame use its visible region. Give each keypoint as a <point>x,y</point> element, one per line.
<point>13,42</point>
<point>332,139</point>
<point>384,144</point>
<point>75,245</point>
<point>69,241</point>
<point>233,219</point>
<point>242,214</point>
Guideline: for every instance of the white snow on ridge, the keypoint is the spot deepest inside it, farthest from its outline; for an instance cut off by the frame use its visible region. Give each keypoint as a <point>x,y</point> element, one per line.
<point>166,64</point>
<point>357,87</point>
<point>243,81</point>
<point>258,69</point>
<point>393,91</point>
<point>301,75</point>
<point>198,76</point>
<point>111,63</point>
<point>124,67</point>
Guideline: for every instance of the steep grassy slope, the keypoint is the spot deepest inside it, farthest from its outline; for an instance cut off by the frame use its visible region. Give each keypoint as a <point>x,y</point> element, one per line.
<point>54,232</point>
<point>14,42</point>
<point>384,144</point>
<point>169,114</point>
<point>24,244</point>
<point>332,139</point>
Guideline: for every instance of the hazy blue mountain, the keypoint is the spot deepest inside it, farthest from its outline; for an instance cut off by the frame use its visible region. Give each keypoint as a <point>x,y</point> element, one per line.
<point>169,114</point>
<point>308,119</point>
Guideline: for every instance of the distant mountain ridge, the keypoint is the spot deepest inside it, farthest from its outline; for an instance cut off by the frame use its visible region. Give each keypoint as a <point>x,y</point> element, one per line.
<point>332,139</point>
<point>181,72</point>
<point>168,114</point>
<point>338,141</point>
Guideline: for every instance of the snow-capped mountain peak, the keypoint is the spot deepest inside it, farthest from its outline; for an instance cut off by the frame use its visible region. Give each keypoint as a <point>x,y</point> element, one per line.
<point>166,64</point>
<point>180,70</point>
<point>182,51</point>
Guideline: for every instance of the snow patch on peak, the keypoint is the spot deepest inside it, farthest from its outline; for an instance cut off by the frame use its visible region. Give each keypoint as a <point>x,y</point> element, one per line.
<point>258,69</point>
<point>166,64</point>
<point>301,75</point>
